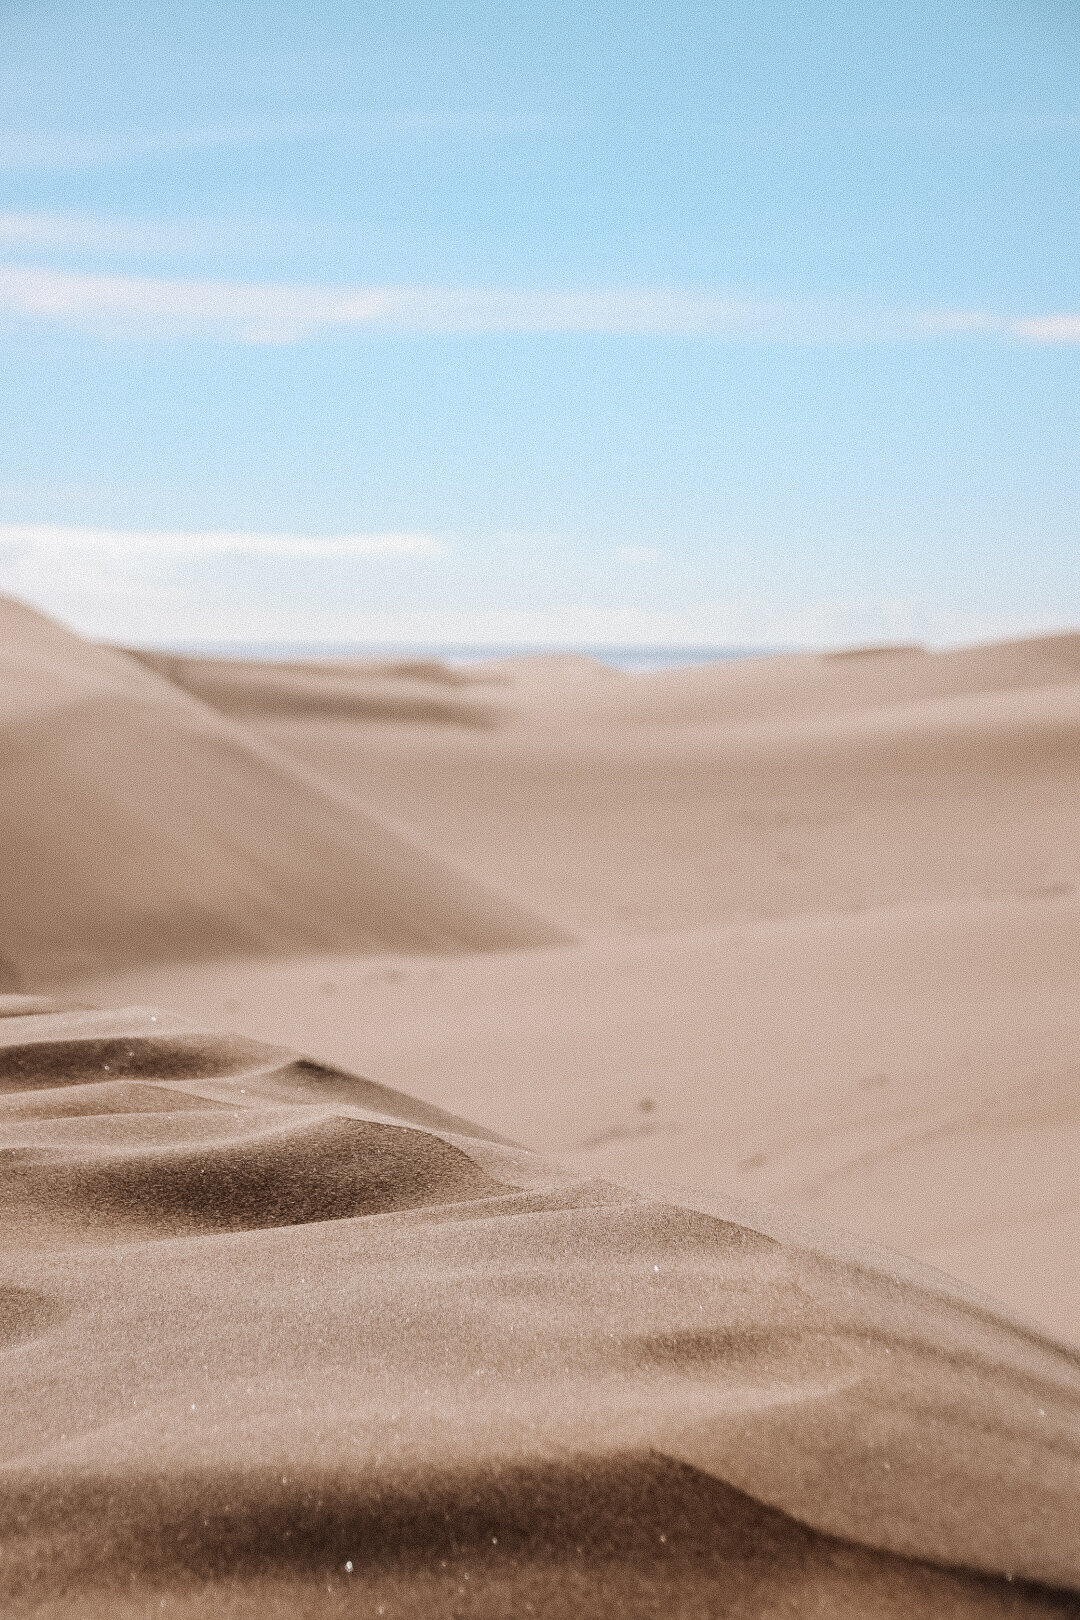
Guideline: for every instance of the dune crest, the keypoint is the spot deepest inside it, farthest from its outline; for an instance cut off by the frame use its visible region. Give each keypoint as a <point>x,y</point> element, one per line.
<point>477,1372</point>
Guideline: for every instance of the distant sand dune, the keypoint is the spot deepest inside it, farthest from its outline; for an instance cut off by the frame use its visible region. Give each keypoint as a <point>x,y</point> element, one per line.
<point>406,690</point>
<point>615,827</point>
<point>829,906</point>
<point>797,685</point>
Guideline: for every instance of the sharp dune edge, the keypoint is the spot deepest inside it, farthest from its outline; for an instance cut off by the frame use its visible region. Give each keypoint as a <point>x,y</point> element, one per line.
<point>279,1340</point>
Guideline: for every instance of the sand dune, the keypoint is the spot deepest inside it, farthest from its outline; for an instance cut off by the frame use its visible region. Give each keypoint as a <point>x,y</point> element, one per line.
<point>441,1375</point>
<point>796,686</point>
<point>757,788</point>
<point>277,1340</point>
<point>137,823</point>
<point>831,913</point>
<point>565,688</point>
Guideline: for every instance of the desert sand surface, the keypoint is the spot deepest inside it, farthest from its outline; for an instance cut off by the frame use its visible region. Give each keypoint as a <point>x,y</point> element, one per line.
<point>825,915</point>
<point>693,989</point>
<point>280,1341</point>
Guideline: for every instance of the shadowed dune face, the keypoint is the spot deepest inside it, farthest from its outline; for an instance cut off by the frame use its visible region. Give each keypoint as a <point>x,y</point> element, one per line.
<point>636,1534</point>
<point>25,1315</point>
<point>253,1332</point>
<point>36,1064</point>
<point>280,1171</point>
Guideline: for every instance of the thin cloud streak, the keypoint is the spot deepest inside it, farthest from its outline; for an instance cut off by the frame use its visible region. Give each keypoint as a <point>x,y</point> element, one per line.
<point>52,537</point>
<point>268,312</point>
<point>104,234</point>
<point>23,150</point>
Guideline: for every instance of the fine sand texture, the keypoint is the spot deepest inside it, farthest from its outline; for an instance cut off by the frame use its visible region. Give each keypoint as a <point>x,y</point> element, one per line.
<point>275,1340</point>
<point>740,972</point>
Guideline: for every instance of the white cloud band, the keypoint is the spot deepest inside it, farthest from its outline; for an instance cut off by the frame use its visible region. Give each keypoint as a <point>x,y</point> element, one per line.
<point>269,312</point>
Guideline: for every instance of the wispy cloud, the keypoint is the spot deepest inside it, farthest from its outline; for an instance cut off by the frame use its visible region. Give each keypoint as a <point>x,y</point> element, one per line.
<point>52,149</point>
<point>272,312</point>
<point>187,543</point>
<point>127,306</point>
<point>80,233</point>
<point>268,312</point>
<point>211,238</point>
<point>1048,328</point>
<point>90,149</point>
<point>638,554</point>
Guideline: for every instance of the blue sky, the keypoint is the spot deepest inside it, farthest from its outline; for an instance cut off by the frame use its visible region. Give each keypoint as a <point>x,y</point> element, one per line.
<point>548,323</point>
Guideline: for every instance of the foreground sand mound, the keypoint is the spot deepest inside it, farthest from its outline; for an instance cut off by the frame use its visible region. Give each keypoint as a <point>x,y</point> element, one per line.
<point>137,824</point>
<point>469,1381</point>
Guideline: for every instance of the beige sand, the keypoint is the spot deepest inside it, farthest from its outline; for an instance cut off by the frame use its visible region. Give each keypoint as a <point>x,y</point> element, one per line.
<point>803,930</point>
<point>827,914</point>
<point>276,1341</point>
<point>138,824</point>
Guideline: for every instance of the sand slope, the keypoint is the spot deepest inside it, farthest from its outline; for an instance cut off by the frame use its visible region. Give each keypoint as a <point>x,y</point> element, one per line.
<point>138,824</point>
<point>288,1333</point>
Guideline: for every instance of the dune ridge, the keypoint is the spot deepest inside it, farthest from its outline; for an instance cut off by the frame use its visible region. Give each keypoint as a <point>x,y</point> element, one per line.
<point>677,1404</point>
<point>569,687</point>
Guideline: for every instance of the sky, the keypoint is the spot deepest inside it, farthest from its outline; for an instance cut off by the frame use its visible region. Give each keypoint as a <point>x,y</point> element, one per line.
<point>546,323</point>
